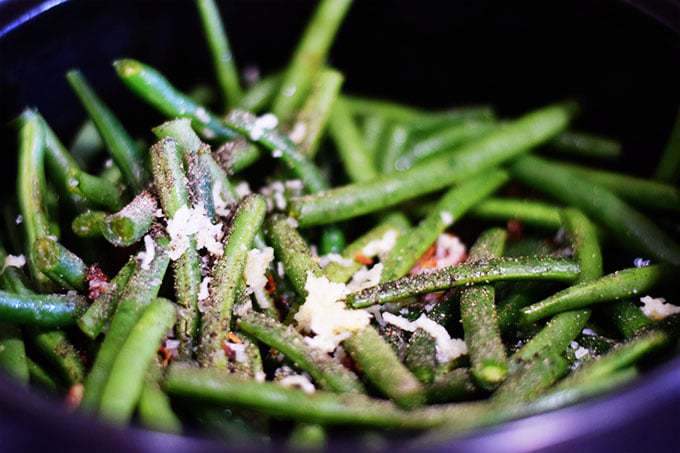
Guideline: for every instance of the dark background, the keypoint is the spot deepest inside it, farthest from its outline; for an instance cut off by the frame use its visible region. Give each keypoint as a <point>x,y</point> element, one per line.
<point>623,66</point>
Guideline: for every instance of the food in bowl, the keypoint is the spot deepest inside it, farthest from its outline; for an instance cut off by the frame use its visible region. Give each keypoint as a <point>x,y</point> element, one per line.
<point>225,286</point>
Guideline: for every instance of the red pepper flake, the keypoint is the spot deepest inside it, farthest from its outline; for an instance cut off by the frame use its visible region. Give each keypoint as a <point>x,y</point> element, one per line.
<point>270,287</point>
<point>427,261</point>
<point>230,353</point>
<point>515,229</point>
<point>97,281</point>
<point>166,355</point>
<point>231,336</point>
<point>74,396</point>
<point>363,259</point>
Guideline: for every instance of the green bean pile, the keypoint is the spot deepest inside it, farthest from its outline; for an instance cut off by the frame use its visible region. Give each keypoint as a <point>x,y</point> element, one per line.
<point>178,287</point>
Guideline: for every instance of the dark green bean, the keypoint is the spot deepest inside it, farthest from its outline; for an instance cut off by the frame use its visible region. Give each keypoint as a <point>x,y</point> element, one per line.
<point>40,377</point>
<point>13,353</point>
<point>627,317</point>
<point>497,269</point>
<point>506,143</point>
<point>632,229</point>
<point>456,385</point>
<point>583,144</point>
<point>619,285</point>
<point>533,379</point>
<point>124,151</point>
<point>61,265</point>
<point>529,212</point>
<point>43,310</point>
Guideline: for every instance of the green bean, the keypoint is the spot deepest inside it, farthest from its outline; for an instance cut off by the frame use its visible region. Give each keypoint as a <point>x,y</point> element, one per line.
<point>632,229</point>
<point>221,388</point>
<point>171,185</point>
<point>620,358</point>
<point>56,348</point>
<point>583,144</point>
<point>258,96</point>
<point>531,380</point>
<point>292,250</point>
<point>619,285</point>
<point>306,437</point>
<point>97,316</point>
<point>314,114</point>
<point>280,145</point>
<point>640,192</point>
<point>124,151</point>
<point>332,240</point>
<point>227,273</point>
<point>13,353</point>
<point>478,314</point>
<point>127,226</point>
<point>450,208</point>
<point>441,141</point>
<point>309,56</point>
<point>627,317</point>
<point>456,385</point>
<point>394,224</point>
<point>374,128</point>
<point>417,118</point>
<point>529,212</point>
<point>382,368</point>
<point>40,377</point>
<point>124,386</point>
<point>506,143</point>
<point>398,138</point>
<point>668,167</point>
<point>60,264</point>
<point>44,310</point>
<point>87,144</point>
<point>222,58</point>
<point>31,189</point>
<point>141,289</point>
<point>348,142</point>
<point>329,374</point>
<point>89,224</point>
<point>154,408</point>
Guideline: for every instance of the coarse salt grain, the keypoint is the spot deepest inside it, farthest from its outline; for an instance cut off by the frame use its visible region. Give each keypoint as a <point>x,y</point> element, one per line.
<point>656,308</point>
<point>446,217</point>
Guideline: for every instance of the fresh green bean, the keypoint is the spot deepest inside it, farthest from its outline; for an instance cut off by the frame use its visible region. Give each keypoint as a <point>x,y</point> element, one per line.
<point>478,314</point>
<point>417,118</point>
<point>141,289</point>
<point>640,192</point>
<point>332,240</point>
<point>219,387</point>
<point>43,310</point>
<point>382,367</point>
<point>154,407</point>
<point>619,285</point>
<point>396,142</point>
<point>506,143</point>
<point>309,56</point>
<point>668,168</point>
<point>87,144</point>
<point>13,353</point>
<point>57,350</point>
<point>292,250</point>
<point>374,128</point>
<point>61,265</point>
<point>441,141</point>
<point>394,224</point>
<point>89,224</point>
<point>529,212</point>
<point>227,274</point>
<point>306,437</point>
<point>328,373</point>
<point>171,185</point>
<point>450,208</point>
<point>456,385</point>
<point>124,386</point>
<point>627,317</point>
<point>583,144</point>
<point>130,224</point>
<point>258,96</point>
<point>40,377</point>
<point>124,151</point>
<point>222,57</point>
<point>533,379</point>
<point>496,269</point>
<point>314,114</point>
<point>632,229</point>
<point>97,316</point>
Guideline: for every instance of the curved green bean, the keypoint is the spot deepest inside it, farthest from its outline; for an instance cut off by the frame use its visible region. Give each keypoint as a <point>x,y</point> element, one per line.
<point>41,310</point>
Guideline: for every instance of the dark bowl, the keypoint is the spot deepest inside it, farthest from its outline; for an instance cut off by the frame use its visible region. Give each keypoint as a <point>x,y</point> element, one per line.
<point>622,64</point>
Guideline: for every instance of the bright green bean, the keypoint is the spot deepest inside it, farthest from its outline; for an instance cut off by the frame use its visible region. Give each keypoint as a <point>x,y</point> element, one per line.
<point>396,142</point>
<point>506,143</point>
<point>60,264</point>
<point>529,212</point>
<point>13,360</point>
<point>130,224</point>
<point>154,407</point>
